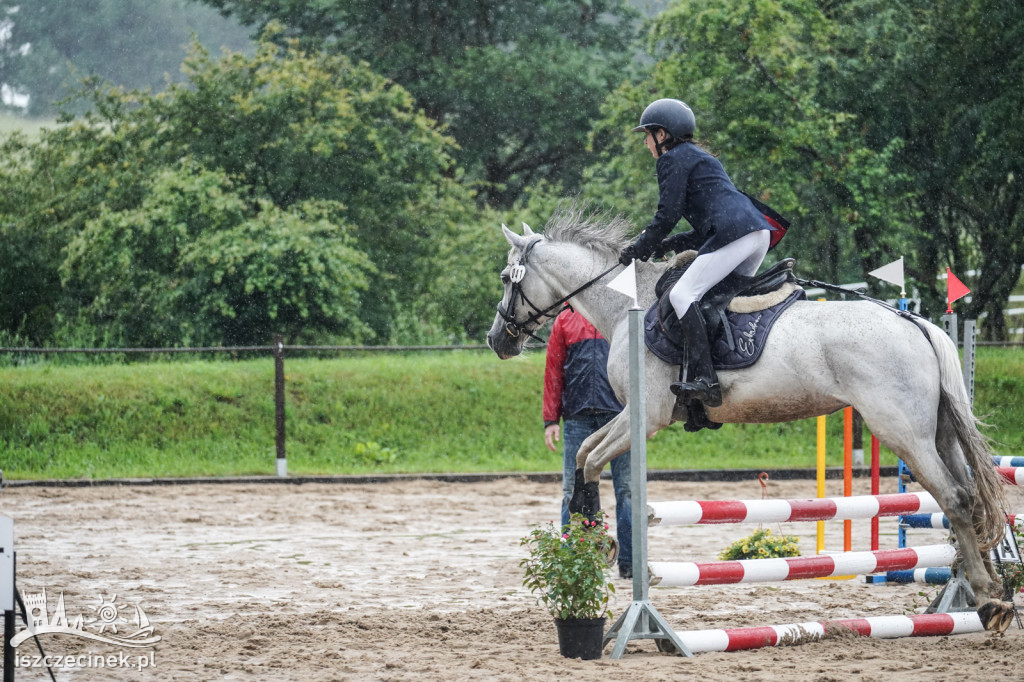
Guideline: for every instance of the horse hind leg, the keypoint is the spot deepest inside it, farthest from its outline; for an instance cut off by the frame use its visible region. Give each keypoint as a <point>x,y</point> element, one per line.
<point>959,502</point>
<point>988,511</point>
<point>948,447</point>
<point>966,453</point>
<point>949,481</point>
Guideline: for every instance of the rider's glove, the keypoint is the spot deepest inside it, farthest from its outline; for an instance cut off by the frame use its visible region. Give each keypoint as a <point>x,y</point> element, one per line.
<point>661,249</point>
<point>640,250</point>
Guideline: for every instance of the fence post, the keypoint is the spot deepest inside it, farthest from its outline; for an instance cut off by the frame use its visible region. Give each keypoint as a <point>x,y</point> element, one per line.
<point>641,620</point>
<point>858,439</point>
<point>970,344</point>
<point>7,592</point>
<point>282,462</point>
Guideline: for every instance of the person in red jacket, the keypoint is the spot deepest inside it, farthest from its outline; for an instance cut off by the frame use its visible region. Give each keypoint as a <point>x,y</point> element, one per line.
<point>576,389</point>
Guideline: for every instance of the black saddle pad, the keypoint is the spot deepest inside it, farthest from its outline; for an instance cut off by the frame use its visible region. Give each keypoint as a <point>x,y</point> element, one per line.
<point>739,343</point>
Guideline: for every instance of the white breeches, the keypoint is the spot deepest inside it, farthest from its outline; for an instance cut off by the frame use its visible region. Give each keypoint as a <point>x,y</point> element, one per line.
<point>742,256</point>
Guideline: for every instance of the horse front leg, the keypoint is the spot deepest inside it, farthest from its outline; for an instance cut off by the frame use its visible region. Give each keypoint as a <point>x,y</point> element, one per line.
<point>586,497</point>
<point>601,447</point>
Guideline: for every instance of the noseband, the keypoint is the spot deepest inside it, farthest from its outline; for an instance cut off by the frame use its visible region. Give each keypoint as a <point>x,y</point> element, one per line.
<point>516,274</point>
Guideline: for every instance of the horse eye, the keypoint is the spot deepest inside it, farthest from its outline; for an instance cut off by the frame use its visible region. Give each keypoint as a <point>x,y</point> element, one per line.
<point>505,279</point>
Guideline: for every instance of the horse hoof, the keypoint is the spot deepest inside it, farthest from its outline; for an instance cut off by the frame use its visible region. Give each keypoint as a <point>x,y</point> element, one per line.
<point>666,646</point>
<point>591,500</point>
<point>996,615</point>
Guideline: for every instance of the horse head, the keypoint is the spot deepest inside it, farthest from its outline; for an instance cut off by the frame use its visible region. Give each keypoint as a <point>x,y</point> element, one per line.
<point>578,248</point>
<point>526,302</point>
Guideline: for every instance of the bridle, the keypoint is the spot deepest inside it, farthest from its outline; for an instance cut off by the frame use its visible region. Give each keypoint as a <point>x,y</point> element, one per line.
<point>517,272</point>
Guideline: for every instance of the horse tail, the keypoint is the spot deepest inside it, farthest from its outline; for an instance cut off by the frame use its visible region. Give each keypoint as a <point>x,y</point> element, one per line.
<point>955,406</point>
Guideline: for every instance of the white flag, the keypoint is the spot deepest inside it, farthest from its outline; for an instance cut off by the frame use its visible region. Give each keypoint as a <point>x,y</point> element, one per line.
<point>892,273</point>
<point>625,283</point>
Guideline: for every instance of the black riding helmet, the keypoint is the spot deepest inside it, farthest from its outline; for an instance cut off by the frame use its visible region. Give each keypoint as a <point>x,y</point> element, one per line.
<point>672,115</point>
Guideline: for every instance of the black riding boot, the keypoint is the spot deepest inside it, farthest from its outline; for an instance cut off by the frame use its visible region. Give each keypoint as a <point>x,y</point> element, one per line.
<point>702,382</point>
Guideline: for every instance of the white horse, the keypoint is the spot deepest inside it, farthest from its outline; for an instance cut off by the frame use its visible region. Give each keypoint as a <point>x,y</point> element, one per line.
<point>902,375</point>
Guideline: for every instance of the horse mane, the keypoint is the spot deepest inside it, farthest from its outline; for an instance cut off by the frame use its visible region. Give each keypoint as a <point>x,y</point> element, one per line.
<point>578,222</point>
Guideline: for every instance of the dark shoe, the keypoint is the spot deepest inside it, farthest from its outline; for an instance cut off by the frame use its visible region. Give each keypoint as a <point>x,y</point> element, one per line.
<point>625,571</point>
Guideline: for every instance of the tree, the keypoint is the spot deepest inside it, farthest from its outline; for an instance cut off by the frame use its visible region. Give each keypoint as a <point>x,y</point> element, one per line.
<point>883,129</point>
<point>282,191</point>
<point>947,77</point>
<point>517,84</point>
<point>48,46</point>
<point>48,189</point>
<point>293,125</point>
<point>759,77</point>
<point>199,264</point>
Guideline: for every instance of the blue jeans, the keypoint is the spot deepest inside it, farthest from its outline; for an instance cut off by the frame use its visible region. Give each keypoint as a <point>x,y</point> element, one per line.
<point>574,431</point>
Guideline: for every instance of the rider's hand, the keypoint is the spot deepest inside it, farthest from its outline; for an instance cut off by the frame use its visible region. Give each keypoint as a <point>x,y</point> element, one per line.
<point>627,256</point>
<point>635,250</point>
<point>661,249</point>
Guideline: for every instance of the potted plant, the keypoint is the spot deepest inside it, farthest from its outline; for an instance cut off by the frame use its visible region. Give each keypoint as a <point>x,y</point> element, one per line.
<point>761,544</point>
<point>568,567</point>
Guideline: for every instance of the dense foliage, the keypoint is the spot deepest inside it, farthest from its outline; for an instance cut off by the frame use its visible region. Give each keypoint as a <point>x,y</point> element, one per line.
<point>517,82</point>
<point>344,182</point>
<point>947,78</point>
<point>306,205</point>
<point>760,76</point>
<point>881,129</point>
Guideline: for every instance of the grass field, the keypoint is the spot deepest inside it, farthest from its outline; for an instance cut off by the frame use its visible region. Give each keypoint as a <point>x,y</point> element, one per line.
<point>367,413</point>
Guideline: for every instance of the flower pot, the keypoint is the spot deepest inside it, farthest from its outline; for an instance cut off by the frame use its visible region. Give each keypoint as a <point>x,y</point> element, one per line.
<point>580,637</point>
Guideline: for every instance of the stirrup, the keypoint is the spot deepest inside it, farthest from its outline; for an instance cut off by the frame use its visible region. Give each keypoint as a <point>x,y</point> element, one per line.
<point>698,389</point>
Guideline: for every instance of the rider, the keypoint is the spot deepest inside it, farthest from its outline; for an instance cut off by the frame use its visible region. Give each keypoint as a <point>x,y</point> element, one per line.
<point>729,233</point>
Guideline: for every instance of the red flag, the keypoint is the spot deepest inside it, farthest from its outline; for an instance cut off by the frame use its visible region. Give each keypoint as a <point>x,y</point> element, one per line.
<point>954,289</point>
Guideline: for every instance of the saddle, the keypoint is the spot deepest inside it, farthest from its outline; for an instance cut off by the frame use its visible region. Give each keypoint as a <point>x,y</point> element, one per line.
<point>714,304</point>
<point>739,312</point>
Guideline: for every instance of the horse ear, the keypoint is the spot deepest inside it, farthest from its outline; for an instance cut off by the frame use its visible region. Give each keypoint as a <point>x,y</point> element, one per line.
<point>514,240</point>
<point>527,232</point>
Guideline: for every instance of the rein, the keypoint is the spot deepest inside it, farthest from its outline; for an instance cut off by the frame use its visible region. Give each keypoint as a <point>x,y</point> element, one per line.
<point>516,275</point>
<point>906,314</point>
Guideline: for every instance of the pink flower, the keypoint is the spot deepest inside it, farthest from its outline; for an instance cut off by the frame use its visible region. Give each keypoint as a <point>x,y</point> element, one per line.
<point>606,526</point>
